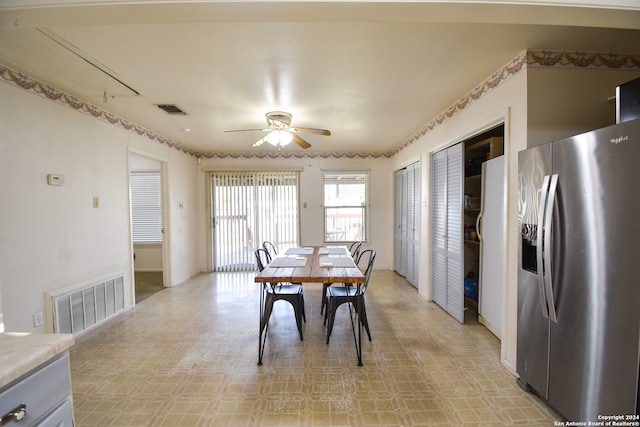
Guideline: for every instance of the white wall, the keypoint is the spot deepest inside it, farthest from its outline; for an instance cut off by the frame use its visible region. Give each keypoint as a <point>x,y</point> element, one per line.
<point>147,257</point>
<point>565,102</point>
<point>311,217</point>
<point>184,212</point>
<point>507,103</point>
<point>52,237</point>
<point>538,104</point>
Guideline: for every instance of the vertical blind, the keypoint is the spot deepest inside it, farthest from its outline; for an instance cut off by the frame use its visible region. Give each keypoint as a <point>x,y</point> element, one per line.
<point>249,208</point>
<point>345,205</point>
<point>146,207</point>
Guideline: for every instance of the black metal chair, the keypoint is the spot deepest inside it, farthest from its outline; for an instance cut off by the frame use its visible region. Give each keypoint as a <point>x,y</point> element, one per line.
<point>338,295</point>
<point>292,293</point>
<point>354,249</point>
<point>270,248</point>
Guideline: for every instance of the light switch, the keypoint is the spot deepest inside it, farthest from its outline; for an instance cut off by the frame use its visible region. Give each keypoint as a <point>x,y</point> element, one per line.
<point>304,205</point>
<point>96,202</point>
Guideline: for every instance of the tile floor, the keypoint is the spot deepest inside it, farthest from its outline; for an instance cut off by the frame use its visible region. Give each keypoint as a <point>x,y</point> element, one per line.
<point>186,356</point>
<point>147,283</point>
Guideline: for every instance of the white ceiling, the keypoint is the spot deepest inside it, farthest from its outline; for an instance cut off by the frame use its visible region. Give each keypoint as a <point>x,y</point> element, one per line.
<point>371,72</point>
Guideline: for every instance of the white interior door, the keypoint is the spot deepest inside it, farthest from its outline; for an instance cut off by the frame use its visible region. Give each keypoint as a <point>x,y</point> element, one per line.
<point>439,228</point>
<point>406,234</point>
<point>412,223</point>
<point>400,178</point>
<point>448,284</point>
<point>492,245</point>
<point>455,232</point>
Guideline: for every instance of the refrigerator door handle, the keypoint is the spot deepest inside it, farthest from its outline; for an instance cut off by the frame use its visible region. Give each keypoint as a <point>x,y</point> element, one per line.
<point>548,276</point>
<point>539,245</point>
<point>478,219</point>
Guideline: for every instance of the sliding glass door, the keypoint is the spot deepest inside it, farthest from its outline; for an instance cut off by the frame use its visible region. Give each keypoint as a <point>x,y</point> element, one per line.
<point>249,208</point>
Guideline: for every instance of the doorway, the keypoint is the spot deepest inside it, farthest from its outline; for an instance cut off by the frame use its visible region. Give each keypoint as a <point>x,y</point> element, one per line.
<point>147,224</point>
<point>248,208</point>
<point>468,206</point>
<point>484,213</point>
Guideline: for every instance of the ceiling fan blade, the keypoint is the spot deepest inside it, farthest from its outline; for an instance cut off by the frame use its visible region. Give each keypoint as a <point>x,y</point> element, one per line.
<point>247,130</point>
<point>301,142</point>
<point>260,141</point>
<point>311,130</point>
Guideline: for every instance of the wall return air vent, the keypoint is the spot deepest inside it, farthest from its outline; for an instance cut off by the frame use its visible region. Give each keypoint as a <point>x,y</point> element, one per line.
<point>171,109</point>
<point>78,308</point>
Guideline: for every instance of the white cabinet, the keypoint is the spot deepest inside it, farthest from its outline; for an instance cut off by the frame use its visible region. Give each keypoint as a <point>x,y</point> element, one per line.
<point>40,398</point>
<point>406,237</point>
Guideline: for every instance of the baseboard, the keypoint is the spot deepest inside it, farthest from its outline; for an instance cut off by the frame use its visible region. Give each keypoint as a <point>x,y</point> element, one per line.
<point>490,327</point>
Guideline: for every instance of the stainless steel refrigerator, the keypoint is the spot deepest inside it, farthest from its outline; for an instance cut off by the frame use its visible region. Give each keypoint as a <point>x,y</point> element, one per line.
<point>579,272</point>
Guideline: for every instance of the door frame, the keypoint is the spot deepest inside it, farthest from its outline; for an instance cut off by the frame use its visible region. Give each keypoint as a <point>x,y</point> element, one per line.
<point>164,191</point>
<point>502,117</point>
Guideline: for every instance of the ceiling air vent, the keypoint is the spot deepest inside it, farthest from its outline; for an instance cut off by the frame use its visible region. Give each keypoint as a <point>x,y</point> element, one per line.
<point>171,109</point>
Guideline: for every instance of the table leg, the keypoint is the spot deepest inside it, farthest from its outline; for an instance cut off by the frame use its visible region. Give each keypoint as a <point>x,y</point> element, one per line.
<point>359,341</point>
<point>261,341</point>
<point>357,337</point>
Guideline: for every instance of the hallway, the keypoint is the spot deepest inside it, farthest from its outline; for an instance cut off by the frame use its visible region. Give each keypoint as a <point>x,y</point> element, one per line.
<point>186,356</point>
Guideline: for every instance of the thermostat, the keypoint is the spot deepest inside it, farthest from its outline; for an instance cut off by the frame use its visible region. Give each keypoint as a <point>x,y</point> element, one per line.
<point>53,179</point>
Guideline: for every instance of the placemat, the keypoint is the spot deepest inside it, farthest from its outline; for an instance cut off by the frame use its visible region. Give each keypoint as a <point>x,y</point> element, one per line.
<point>334,250</point>
<point>335,261</point>
<point>288,261</point>
<point>299,251</point>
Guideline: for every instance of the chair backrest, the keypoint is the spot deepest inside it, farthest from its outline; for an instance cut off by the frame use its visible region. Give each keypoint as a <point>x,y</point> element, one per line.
<point>354,249</point>
<point>368,256</point>
<point>268,246</point>
<point>262,258</point>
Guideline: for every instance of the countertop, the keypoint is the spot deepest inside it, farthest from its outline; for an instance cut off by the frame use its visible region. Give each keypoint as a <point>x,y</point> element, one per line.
<point>22,352</point>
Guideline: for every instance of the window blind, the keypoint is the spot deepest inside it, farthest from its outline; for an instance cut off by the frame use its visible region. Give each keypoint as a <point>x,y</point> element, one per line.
<point>249,208</point>
<point>146,207</point>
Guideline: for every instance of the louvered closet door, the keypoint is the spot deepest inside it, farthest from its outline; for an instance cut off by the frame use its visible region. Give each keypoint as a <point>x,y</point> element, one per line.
<point>406,215</point>
<point>416,222</point>
<point>412,224</point>
<point>398,178</point>
<point>448,284</point>
<point>455,233</point>
<point>439,236</point>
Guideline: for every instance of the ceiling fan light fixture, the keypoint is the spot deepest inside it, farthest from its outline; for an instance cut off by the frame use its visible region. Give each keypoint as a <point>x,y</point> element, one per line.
<point>279,138</point>
<point>280,133</point>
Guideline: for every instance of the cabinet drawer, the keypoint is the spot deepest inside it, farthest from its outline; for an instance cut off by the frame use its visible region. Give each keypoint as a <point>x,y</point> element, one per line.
<point>61,417</point>
<point>41,392</point>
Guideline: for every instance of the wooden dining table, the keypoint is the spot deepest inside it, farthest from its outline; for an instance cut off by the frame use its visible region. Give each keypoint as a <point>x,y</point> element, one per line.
<point>311,264</point>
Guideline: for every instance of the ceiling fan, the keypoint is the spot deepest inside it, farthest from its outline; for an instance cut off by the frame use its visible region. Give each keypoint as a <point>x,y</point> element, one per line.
<point>280,131</point>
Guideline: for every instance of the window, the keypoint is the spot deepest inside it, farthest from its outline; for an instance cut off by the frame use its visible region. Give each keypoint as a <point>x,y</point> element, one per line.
<point>345,206</point>
<point>146,207</point>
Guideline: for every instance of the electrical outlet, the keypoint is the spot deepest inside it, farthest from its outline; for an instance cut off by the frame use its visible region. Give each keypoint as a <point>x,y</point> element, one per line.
<point>37,319</point>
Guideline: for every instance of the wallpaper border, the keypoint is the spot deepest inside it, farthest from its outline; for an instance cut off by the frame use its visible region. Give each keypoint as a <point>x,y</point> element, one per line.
<point>540,58</point>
